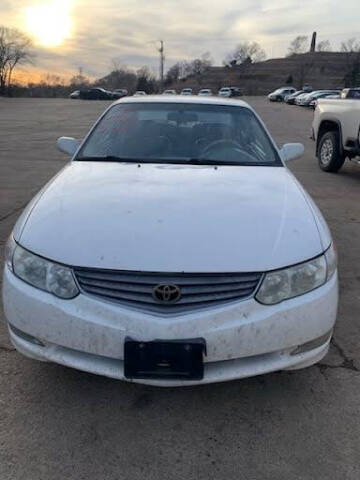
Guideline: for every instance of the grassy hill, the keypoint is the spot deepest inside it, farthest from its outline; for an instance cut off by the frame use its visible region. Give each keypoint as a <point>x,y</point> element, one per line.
<point>320,69</point>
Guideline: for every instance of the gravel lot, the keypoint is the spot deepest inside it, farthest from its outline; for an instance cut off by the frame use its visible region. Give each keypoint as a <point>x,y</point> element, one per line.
<point>57,423</point>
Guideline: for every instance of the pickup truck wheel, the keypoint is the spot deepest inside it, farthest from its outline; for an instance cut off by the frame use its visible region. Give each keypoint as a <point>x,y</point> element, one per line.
<point>329,155</point>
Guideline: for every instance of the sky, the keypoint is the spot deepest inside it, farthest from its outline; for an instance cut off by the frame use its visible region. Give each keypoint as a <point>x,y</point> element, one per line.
<point>69,34</point>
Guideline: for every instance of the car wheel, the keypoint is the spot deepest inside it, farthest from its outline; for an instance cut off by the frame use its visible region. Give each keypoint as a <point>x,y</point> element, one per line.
<point>329,156</point>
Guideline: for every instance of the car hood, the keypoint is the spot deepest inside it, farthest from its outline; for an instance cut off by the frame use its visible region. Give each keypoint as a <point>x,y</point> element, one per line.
<point>172,218</point>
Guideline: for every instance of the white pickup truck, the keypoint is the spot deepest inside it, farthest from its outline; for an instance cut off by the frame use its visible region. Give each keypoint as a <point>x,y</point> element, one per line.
<point>336,131</point>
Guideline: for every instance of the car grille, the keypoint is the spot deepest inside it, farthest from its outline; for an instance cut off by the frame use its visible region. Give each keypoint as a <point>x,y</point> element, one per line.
<point>198,290</point>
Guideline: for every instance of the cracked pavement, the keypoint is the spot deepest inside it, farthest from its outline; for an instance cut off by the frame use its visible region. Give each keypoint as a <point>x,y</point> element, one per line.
<point>57,423</point>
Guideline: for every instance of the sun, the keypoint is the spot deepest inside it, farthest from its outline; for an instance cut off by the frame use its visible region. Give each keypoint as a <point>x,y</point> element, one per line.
<point>50,23</point>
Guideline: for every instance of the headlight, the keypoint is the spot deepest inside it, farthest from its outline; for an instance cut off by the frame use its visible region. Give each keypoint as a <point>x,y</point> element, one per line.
<point>9,252</point>
<point>297,280</point>
<point>43,274</point>
<point>331,261</point>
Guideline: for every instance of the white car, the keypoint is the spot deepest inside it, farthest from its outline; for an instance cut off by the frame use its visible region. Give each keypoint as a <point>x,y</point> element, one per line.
<point>280,94</point>
<point>300,99</point>
<point>225,92</point>
<point>140,93</point>
<point>75,95</point>
<point>186,91</point>
<point>176,248</point>
<point>205,92</point>
<point>169,92</point>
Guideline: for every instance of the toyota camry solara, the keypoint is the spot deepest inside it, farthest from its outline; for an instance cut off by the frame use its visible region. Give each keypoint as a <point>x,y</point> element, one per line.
<point>175,248</point>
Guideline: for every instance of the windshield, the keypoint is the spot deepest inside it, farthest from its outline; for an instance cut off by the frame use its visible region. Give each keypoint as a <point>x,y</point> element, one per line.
<point>321,93</point>
<point>180,133</point>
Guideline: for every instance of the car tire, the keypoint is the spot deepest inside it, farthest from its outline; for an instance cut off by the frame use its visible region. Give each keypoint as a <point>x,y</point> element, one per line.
<point>329,155</point>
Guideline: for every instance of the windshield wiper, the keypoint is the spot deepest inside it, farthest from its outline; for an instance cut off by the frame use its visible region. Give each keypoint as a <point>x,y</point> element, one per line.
<point>208,161</point>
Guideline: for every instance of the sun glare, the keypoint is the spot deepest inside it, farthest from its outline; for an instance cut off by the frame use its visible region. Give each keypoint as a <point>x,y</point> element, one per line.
<point>50,23</point>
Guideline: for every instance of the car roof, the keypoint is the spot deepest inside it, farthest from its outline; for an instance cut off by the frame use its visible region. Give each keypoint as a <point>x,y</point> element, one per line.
<point>191,99</point>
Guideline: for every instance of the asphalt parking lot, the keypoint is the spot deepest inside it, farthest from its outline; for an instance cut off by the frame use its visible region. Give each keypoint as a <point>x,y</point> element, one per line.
<point>57,423</point>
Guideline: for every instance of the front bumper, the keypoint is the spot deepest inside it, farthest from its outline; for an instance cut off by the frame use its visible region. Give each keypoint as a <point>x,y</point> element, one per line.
<point>242,338</point>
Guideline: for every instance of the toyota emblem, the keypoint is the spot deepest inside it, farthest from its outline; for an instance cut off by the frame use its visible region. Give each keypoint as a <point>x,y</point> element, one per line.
<point>165,293</point>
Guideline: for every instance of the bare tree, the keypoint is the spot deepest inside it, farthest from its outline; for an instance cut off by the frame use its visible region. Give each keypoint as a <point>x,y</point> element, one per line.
<point>178,71</point>
<point>324,46</point>
<point>197,67</point>
<point>79,80</point>
<point>245,52</point>
<point>116,64</point>
<point>146,81</point>
<point>350,46</point>
<point>298,45</point>
<point>173,74</point>
<point>15,49</point>
<point>200,65</point>
<point>54,80</point>
<point>120,76</point>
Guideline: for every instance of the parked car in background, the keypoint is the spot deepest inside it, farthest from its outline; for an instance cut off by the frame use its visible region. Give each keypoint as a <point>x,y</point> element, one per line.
<point>186,91</point>
<point>169,92</point>
<point>305,101</point>
<point>236,92</point>
<point>307,88</point>
<point>336,131</point>
<point>301,98</point>
<point>279,94</point>
<point>229,92</point>
<point>139,93</point>
<point>353,93</point>
<point>205,92</point>
<point>75,95</point>
<point>333,96</point>
<point>290,99</point>
<point>96,93</point>
<point>225,92</point>
<point>94,281</point>
<point>120,93</point>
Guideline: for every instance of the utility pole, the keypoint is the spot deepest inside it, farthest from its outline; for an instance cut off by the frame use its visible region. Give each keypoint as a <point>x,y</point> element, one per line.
<point>162,63</point>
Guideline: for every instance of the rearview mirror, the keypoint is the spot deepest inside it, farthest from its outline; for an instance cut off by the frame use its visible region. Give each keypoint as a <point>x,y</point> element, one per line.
<point>68,145</point>
<point>182,117</point>
<point>291,151</point>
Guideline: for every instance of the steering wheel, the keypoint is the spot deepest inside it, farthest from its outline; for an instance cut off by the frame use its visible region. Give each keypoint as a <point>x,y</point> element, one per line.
<point>220,145</point>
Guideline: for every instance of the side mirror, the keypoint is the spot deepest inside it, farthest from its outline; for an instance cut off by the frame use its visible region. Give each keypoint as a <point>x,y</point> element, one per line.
<point>68,145</point>
<point>291,151</point>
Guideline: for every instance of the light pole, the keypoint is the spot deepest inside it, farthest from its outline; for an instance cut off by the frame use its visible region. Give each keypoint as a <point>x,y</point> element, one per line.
<point>162,63</point>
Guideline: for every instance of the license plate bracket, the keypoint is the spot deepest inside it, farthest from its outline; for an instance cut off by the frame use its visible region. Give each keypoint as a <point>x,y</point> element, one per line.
<point>164,359</point>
